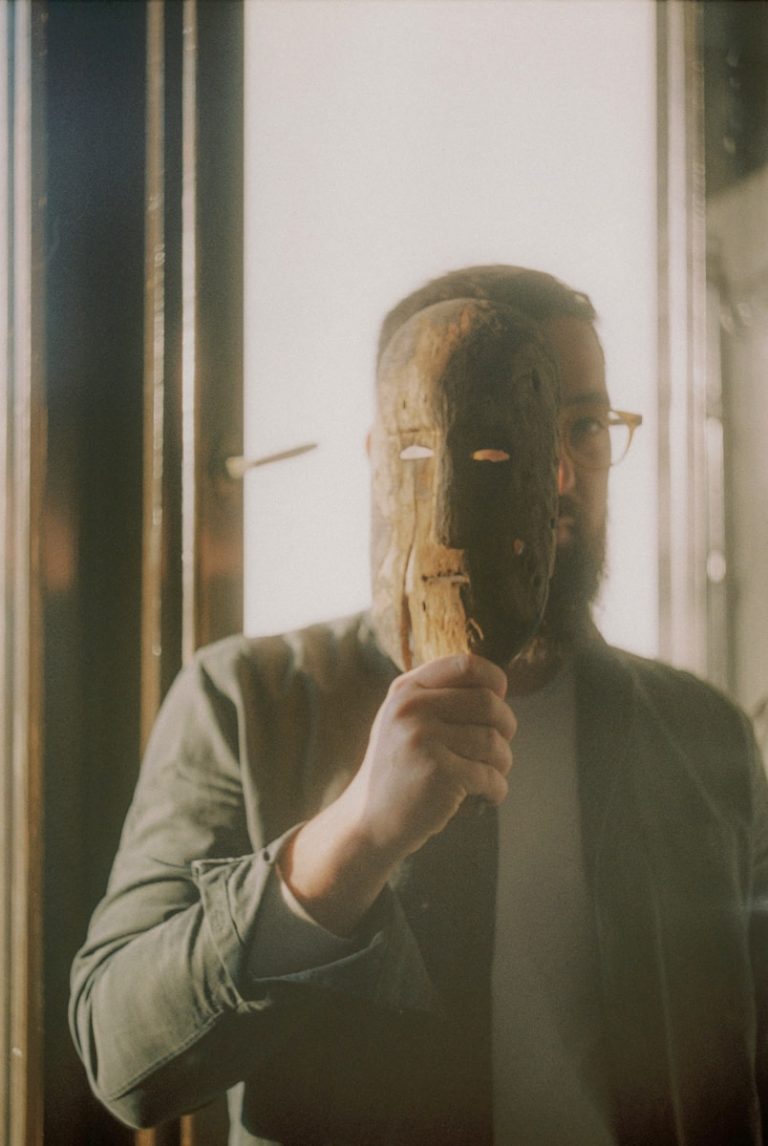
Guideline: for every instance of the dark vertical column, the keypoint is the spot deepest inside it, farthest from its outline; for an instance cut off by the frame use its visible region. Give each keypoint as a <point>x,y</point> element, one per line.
<point>95,72</point>
<point>212,244</point>
<point>220,315</point>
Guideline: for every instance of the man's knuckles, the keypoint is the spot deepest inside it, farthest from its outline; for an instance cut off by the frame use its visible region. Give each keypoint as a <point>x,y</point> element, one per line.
<point>461,670</point>
<point>479,705</point>
<point>477,672</point>
<point>432,744</point>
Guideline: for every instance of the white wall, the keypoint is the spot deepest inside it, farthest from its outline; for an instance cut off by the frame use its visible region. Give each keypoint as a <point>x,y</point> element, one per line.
<point>391,140</point>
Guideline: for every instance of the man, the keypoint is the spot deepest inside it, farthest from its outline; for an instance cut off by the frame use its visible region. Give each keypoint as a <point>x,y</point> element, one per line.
<point>418,940</point>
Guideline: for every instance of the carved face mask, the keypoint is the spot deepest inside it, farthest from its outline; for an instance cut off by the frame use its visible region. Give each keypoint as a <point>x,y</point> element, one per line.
<point>464,456</point>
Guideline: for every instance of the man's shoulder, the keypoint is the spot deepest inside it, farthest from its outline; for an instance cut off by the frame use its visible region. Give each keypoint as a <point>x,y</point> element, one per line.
<point>328,652</point>
<point>684,702</point>
<point>664,678</point>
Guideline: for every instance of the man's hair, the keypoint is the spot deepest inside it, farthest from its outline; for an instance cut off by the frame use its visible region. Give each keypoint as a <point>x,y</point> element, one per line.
<point>536,295</point>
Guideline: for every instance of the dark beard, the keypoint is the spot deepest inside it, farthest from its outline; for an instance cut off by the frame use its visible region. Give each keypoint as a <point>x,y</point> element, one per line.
<point>575,582</point>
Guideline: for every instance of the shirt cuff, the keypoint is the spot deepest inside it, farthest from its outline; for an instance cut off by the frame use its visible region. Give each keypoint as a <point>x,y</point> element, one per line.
<point>286,939</point>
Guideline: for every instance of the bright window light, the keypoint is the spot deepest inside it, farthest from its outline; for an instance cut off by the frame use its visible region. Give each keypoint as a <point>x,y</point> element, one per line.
<point>390,142</point>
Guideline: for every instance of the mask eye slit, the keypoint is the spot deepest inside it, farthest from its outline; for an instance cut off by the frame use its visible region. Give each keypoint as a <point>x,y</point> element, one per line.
<point>412,453</point>
<point>490,456</point>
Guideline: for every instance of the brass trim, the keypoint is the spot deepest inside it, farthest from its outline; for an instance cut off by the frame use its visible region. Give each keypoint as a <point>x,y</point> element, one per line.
<point>6,612</point>
<point>23,460</point>
<point>189,380</point>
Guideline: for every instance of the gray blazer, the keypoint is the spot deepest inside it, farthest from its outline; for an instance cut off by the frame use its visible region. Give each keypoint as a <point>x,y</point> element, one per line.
<point>391,1044</point>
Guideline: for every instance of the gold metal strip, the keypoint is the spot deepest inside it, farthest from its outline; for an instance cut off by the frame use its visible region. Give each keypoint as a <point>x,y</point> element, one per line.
<point>189,386</point>
<point>6,568</point>
<point>23,477</point>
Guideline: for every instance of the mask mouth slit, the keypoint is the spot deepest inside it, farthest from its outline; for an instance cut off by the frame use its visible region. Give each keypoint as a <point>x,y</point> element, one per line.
<point>446,578</point>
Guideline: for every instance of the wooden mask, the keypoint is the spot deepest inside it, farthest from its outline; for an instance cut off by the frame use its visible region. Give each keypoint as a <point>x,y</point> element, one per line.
<point>464,457</point>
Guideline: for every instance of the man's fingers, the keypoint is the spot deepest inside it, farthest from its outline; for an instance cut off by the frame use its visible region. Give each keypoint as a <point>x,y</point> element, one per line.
<point>480,744</point>
<point>472,706</point>
<point>460,671</point>
<point>481,780</point>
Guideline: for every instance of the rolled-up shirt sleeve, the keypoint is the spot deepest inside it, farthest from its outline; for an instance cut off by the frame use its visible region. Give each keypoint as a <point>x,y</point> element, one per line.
<point>287,939</point>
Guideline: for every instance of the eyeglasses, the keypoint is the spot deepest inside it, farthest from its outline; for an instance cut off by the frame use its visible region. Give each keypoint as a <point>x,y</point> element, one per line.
<point>597,437</point>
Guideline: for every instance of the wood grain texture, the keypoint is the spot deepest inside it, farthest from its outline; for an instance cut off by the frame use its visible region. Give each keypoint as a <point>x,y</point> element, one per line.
<point>463,533</point>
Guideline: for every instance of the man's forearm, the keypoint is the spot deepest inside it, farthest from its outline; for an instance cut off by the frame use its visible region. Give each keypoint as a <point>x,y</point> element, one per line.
<point>171,1016</point>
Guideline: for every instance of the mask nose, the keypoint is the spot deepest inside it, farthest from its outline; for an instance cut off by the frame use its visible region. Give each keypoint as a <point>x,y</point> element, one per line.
<point>452,509</point>
<point>566,475</point>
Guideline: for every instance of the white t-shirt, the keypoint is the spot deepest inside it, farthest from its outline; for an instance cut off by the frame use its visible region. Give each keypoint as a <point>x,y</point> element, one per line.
<point>549,1081</point>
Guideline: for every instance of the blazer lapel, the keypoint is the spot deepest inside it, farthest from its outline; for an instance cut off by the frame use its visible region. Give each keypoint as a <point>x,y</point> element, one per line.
<point>669,953</point>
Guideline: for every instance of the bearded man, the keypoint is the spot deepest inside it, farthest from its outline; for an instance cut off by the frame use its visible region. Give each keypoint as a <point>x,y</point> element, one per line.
<point>418,940</point>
